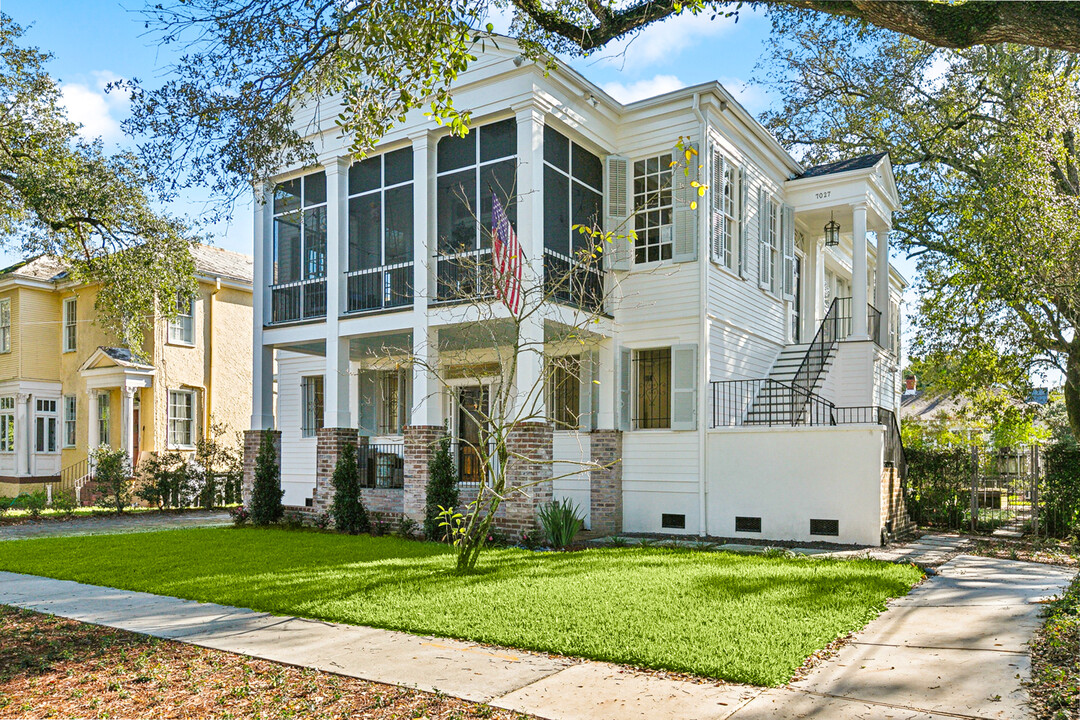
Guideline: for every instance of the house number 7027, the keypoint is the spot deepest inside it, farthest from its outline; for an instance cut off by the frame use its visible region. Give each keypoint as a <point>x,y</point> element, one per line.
<point>821,195</point>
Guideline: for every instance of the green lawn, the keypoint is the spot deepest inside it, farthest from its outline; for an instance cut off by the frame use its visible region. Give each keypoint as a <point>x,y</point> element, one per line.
<point>741,618</point>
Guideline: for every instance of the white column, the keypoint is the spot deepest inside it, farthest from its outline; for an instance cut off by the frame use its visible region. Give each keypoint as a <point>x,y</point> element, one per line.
<point>881,294</point>
<point>336,378</point>
<point>817,302</point>
<point>262,365</point>
<point>127,421</point>
<point>859,296</point>
<point>23,434</point>
<point>427,390</point>
<point>92,436</point>
<point>530,230</point>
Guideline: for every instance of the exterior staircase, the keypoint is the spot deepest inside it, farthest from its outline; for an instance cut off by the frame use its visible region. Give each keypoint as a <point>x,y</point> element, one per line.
<point>777,402</point>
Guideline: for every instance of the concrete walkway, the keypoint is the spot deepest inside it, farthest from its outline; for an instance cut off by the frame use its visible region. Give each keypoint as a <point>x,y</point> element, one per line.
<point>927,551</point>
<point>109,524</point>
<point>953,648</point>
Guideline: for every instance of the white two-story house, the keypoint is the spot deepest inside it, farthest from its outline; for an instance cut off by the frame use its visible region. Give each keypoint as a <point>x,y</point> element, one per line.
<point>741,380</point>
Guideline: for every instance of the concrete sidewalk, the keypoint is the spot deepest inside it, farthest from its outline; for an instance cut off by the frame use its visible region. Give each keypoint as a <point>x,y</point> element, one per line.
<point>955,647</point>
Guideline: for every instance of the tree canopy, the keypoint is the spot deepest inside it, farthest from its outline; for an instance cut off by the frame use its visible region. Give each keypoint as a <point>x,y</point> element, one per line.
<point>65,196</point>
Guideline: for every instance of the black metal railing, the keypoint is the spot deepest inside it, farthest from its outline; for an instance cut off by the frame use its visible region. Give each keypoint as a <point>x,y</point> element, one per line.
<point>767,402</point>
<point>382,465</point>
<point>300,300</point>
<point>894,441</point>
<point>389,286</point>
<point>813,363</point>
<point>845,320</point>
<point>469,462</point>
<point>464,275</point>
<point>573,282</point>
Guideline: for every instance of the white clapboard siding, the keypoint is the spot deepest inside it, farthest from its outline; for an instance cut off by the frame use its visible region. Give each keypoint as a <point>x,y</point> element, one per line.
<point>660,475</point>
<point>297,453</point>
<point>570,449</point>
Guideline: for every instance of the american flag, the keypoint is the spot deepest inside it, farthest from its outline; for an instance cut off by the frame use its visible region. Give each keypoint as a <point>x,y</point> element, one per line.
<point>506,255</point>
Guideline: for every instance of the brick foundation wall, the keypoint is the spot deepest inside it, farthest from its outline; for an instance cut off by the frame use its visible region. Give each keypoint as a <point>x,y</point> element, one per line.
<point>329,442</point>
<point>893,505</point>
<point>420,445</point>
<point>252,442</point>
<point>605,483</point>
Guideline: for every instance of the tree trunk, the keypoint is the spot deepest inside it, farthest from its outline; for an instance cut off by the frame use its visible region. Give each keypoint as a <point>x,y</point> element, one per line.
<point>1072,389</point>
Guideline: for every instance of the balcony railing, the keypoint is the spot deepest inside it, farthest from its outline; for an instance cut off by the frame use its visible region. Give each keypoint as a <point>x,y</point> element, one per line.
<point>573,282</point>
<point>382,465</point>
<point>300,300</point>
<point>845,320</point>
<point>464,276</point>
<point>389,286</point>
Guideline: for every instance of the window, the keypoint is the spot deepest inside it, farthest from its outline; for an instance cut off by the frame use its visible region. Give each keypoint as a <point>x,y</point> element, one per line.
<point>5,325</point>
<point>723,226</point>
<point>381,210</point>
<point>769,257</point>
<point>45,426</point>
<point>564,392</point>
<point>7,424</point>
<point>181,418</point>
<point>300,228</point>
<point>182,327</point>
<point>394,405</point>
<point>470,170</point>
<point>652,378</point>
<point>573,193</point>
<point>311,403</point>
<point>70,327</point>
<point>103,417</point>
<point>652,209</point>
<point>70,409</point>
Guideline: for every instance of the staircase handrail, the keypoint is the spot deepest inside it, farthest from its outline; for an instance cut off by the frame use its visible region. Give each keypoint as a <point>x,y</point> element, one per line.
<point>809,372</point>
<point>822,411</point>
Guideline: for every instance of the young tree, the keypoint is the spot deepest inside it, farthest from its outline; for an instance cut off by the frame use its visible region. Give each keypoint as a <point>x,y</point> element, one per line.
<point>217,468</point>
<point>266,493</point>
<point>348,508</point>
<point>112,474</point>
<point>442,489</point>
<point>63,196</point>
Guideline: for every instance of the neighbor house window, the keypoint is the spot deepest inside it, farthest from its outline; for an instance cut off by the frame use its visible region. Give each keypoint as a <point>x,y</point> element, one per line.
<point>45,426</point>
<point>5,325</point>
<point>470,170</point>
<point>70,408</point>
<point>181,418</point>
<point>394,391</point>
<point>70,326</point>
<point>182,327</point>
<point>7,424</point>
<point>652,384</point>
<point>564,392</point>
<point>311,403</point>
<point>381,210</point>
<point>573,193</point>
<point>652,209</point>
<point>103,417</point>
<point>300,228</point>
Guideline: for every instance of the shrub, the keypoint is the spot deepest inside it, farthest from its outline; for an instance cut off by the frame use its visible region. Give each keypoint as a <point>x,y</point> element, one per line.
<point>112,474</point>
<point>64,502</point>
<point>240,515</point>
<point>164,480</point>
<point>322,520</point>
<point>266,493</point>
<point>348,509</point>
<point>5,504</point>
<point>442,491</point>
<point>407,527</point>
<point>217,471</point>
<point>561,520</point>
<point>33,503</point>
<point>939,486</point>
<point>1060,514</point>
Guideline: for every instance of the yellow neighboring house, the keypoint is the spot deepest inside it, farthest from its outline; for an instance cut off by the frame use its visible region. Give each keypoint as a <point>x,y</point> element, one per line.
<point>66,387</point>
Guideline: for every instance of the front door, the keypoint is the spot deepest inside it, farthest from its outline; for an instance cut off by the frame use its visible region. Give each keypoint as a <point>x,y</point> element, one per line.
<point>472,410</point>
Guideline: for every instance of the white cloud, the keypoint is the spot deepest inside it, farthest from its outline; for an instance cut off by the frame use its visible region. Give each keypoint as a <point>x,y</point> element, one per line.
<point>662,42</point>
<point>649,87</point>
<point>97,111</point>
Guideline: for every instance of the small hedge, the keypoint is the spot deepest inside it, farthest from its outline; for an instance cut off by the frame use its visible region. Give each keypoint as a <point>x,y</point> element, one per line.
<point>1060,492</point>
<point>939,486</point>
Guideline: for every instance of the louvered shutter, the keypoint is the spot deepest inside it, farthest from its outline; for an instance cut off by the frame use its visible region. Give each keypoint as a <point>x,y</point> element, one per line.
<point>684,387</point>
<point>787,226</point>
<point>623,398</point>
<point>744,258</point>
<point>368,386</point>
<point>764,269</point>
<point>685,217</point>
<point>716,206</point>
<point>617,212</point>
<point>589,390</point>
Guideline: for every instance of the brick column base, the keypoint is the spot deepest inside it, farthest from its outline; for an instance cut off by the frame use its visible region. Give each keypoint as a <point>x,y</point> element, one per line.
<point>252,442</point>
<point>329,442</point>
<point>421,442</point>
<point>518,512</point>
<point>605,482</point>
<point>894,505</point>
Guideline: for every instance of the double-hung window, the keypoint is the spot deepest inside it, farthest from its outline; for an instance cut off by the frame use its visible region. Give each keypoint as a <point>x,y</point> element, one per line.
<point>5,325</point>
<point>652,209</point>
<point>300,228</point>
<point>182,327</point>
<point>103,399</point>
<point>7,424</point>
<point>311,405</point>
<point>45,426</point>
<point>181,418</point>
<point>573,194</point>
<point>70,308</point>
<point>652,383</point>
<point>70,410</point>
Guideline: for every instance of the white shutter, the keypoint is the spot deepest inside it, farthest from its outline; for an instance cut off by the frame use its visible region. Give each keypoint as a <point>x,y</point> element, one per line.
<point>617,212</point>
<point>787,226</point>
<point>684,387</point>
<point>368,385</point>
<point>590,391</point>
<point>764,266</point>
<point>623,398</point>
<point>744,258</point>
<point>716,206</point>
<point>685,217</point>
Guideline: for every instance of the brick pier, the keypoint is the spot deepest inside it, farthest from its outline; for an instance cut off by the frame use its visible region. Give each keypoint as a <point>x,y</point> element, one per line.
<point>605,482</point>
<point>252,442</point>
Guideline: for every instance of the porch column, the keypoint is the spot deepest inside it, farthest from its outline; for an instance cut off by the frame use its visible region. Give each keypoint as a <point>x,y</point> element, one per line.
<point>426,409</point>
<point>605,413</point>
<point>818,304</point>
<point>336,378</point>
<point>859,295</point>
<point>127,425</point>
<point>530,227</point>
<point>23,434</point>
<point>262,360</point>
<point>93,439</point>
<point>881,294</point>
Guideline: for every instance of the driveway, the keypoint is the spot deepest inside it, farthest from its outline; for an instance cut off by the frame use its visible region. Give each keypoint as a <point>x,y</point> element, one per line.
<point>106,524</point>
